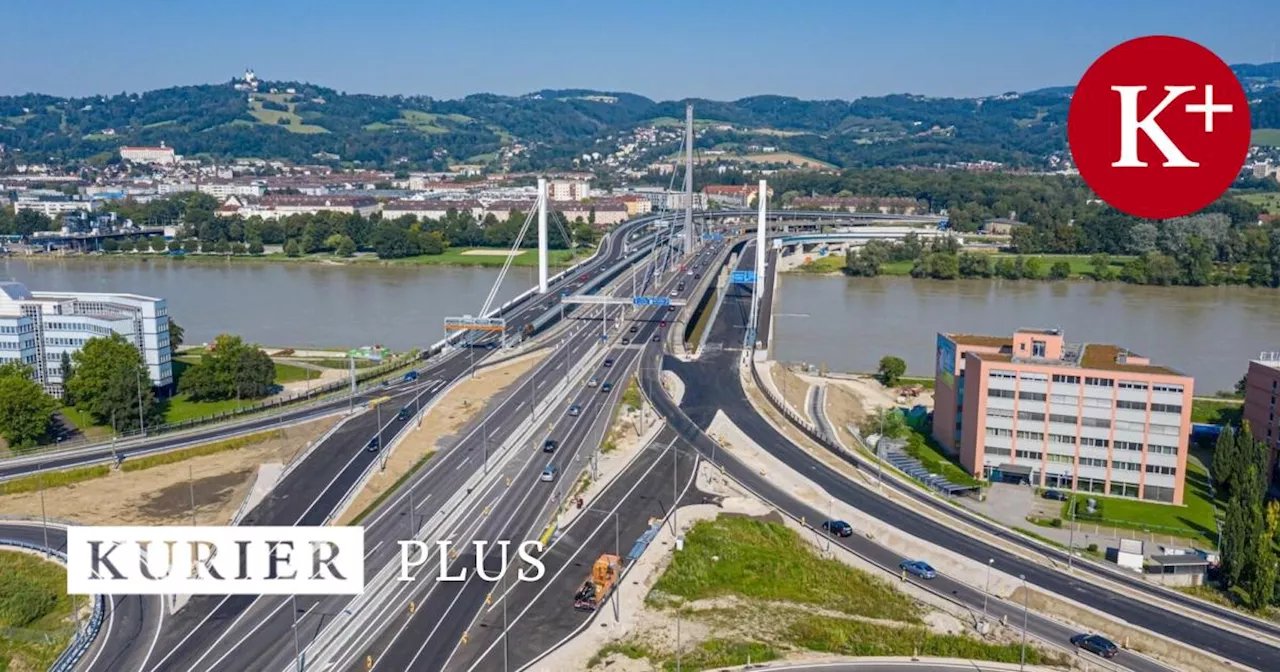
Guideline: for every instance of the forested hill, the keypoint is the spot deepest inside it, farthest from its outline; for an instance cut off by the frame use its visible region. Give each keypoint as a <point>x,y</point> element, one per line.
<point>554,126</point>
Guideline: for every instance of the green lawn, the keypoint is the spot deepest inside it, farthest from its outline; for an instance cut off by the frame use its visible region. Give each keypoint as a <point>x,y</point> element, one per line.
<point>1193,520</point>
<point>289,373</point>
<point>768,561</point>
<point>35,611</point>
<point>1216,412</point>
<point>1080,264</point>
<point>832,263</point>
<point>922,447</point>
<point>179,408</point>
<point>1269,202</point>
<point>83,422</point>
<point>1269,137</point>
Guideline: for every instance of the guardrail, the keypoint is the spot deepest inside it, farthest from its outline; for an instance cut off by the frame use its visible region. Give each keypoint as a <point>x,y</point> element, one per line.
<point>80,644</point>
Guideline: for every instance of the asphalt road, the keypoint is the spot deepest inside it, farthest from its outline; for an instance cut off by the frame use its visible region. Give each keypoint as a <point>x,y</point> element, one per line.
<point>712,384</point>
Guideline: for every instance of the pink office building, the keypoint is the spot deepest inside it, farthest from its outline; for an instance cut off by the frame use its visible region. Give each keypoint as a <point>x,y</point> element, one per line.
<point>1262,383</point>
<point>1089,417</point>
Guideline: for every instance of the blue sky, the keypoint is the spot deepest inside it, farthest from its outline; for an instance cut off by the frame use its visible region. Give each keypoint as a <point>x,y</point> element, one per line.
<point>664,49</point>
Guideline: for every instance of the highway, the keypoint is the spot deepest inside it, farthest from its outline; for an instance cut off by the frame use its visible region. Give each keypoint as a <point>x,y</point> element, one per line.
<point>712,384</point>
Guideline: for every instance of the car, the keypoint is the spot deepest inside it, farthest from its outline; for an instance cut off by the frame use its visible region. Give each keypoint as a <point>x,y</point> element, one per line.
<point>689,273</point>
<point>549,474</point>
<point>675,292</point>
<point>1057,495</point>
<point>697,276</point>
<point>608,362</point>
<point>656,338</point>
<point>583,277</point>
<point>404,414</point>
<point>410,376</point>
<point>671,309</point>
<point>626,341</point>
<point>634,328</point>
<point>1096,644</point>
<point>662,323</point>
<point>838,528</point>
<point>680,287</point>
<point>550,445</point>
<point>372,446</point>
<point>575,410</point>
<point>919,568</point>
<point>593,382</point>
<point>606,387</point>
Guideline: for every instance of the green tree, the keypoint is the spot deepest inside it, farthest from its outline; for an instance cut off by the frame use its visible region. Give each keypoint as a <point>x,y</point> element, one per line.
<point>157,244</point>
<point>108,244</point>
<point>1225,459</point>
<point>256,248</point>
<point>110,381</point>
<point>174,245</point>
<point>222,247</point>
<point>230,369</point>
<point>1033,269</point>
<point>432,242</point>
<point>862,263</point>
<point>124,245</point>
<point>291,248</point>
<point>238,249</point>
<point>1060,270</point>
<point>1101,265</point>
<point>975,265</point>
<point>176,334</point>
<point>345,247</point>
<point>891,370</point>
<point>887,422</point>
<point>26,411</point>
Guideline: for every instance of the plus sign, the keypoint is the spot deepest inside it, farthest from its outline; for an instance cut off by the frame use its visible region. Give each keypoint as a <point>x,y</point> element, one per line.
<point>1208,109</point>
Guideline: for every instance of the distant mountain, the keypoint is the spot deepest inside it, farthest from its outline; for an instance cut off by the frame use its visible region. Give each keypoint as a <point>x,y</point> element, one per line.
<point>550,128</point>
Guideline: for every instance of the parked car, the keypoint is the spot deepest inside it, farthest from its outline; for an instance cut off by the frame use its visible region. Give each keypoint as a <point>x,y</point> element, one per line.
<point>575,410</point>
<point>838,528</point>
<point>550,445</point>
<point>549,474</point>
<point>1056,495</point>
<point>919,568</point>
<point>606,387</point>
<point>372,446</point>
<point>1096,644</point>
<point>404,414</point>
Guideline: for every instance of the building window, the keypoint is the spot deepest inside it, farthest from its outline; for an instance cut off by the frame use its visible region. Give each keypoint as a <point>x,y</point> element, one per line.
<point>1034,436</point>
<point>1094,402</point>
<point>1032,396</point>
<point>1003,394</point>
<point>1031,415</point>
<point>1156,449</point>
<point>1157,493</point>
<point>1126,466</point>
<point>1062,459</point>
<point>1063,438</point>
<point>1134,405</point>
<point>1168,430</point>
<point>1037,348</point>
<point>1176,389</point>
<point>1092,462</point>
<point>1103,423</point>
<point>1029,454</point>
<point>1132,385</point>
<point>1034,377</point>
<point>1161,469</point>
<point>1098,382</point>
<point>1129,426</point>
<point>999,413</point>
<point>999,431</point>
<point>992,450</point>
<point>1092,442</point>
<point>1065,419</point>
<point>1064,399</point>
<point>1008,375</point>
<point>1166,408</point>
<point>1063,378</point>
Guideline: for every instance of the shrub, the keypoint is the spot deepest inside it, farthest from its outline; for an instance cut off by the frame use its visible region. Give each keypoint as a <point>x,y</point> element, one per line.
<point>1056,522</point>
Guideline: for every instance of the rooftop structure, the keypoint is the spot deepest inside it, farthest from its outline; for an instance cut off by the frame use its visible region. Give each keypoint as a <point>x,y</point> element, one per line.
<point>1077,416</point>
<point>1262,383</point>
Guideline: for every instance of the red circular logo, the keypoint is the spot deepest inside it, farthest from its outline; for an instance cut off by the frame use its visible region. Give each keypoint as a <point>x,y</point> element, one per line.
<point>1159,127</point>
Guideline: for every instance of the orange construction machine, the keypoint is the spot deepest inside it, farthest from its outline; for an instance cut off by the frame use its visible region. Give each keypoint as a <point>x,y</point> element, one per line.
<point>604,574</point>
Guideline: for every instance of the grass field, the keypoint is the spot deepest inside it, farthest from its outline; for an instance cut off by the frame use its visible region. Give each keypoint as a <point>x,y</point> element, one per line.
<point>179,408</point>
<point>1193,520</point>
<point>1269,202</point>
<point>35,611</point>
<point>342,363</point>
<point>273,117</point>
<point>768,561</point>
<point>832,263</point>
<point>1080,264</point>
<point>1216,412</point>
<point>289,373</point>
<point>1268,137</point>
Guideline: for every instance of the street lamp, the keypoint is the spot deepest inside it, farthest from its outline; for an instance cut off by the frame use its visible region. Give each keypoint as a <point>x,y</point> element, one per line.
<point>987,591</point>
<point>1022,660</point>
<point>297,650</point>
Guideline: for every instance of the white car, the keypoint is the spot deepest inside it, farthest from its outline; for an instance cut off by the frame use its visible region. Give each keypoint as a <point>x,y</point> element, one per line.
<point>549,474</point>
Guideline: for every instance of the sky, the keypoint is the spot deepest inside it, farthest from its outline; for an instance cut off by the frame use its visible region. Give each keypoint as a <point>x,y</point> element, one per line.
<point>663,49</point>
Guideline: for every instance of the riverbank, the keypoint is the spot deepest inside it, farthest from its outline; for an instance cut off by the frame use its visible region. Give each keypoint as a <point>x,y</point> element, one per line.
<point>1080,265</point>
<point>487,257</point>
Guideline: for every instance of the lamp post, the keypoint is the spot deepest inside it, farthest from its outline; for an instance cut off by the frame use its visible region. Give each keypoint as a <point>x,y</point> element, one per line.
<point>44,521</point>
<point>297,650</point>
<point>1022,659</point>
<point>987,591</point>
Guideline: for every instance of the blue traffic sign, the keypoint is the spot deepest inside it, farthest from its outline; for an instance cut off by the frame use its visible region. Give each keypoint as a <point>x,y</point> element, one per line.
<point>743,277</point>
<point>650,301</point>
<point>713,236</point>
<point>640,301</point>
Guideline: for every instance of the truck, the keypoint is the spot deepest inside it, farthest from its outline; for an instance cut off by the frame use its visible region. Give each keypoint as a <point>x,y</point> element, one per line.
<point>595,590</point>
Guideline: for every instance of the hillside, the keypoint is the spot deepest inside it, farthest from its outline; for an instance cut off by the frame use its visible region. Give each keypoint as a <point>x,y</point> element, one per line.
<point>550,128</point>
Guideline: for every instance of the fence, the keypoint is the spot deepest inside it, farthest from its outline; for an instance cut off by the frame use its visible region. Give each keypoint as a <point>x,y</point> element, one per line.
<point>85,636</point>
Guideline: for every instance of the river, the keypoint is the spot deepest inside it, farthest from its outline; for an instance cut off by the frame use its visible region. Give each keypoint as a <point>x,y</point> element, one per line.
<point>1209,333</point>
<point>288,304</point>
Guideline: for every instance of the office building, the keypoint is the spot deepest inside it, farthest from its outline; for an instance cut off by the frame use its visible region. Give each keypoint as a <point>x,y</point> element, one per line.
<point>36,328</point>
<point>158,155</point>
<point>1090,417</point>
<point>54,207</point>
<point>1261,385</point>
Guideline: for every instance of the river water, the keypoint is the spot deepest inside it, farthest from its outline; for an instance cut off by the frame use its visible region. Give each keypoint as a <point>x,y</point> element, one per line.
<point>285,304</point>
<point>1210,333</point>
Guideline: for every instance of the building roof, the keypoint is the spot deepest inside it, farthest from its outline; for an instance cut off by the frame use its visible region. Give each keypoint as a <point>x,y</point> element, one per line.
<point>1111,358</point>
<point>1180,560</point>
<point>15,291</point>
<point>980,340</point>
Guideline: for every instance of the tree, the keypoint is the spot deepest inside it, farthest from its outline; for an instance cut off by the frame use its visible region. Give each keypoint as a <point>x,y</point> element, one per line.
<point>345,247</point>
<point>1244,527</point>
<point>157,244</point>
<point>26,411</point>
<point>1101,264</point>
<point>1142,238</point>
<point>891,370</point>
<point>862,263</point>
<point>1061,270</point>
<point>176,334</point>
<point>222,247</point>
<point>256,248</point>
<point>1225,458</point>
<point>110,381</point>
<point>1242,385</point>
<point>230,369</point>
<point>1033,268</point>
<point>975,265</point>
<point>238,248</point>
<point>887,422</point>
<point>291,248</point>
<point>174,245</point>
<point>108,244</point>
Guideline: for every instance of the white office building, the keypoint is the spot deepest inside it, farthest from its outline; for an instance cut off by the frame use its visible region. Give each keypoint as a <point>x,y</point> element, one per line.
<point>36,328</point>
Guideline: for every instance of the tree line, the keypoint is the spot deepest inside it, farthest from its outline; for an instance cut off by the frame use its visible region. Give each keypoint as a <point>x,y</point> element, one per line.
<point>1251,527</point>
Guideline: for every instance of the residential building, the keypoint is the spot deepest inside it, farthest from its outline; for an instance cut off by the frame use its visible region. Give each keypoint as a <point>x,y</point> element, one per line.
<point>54,207</point>
<point>732,196</point>
<point>429,209</point>
<point>501,209</point>
<point>1089,417</point>
<point>1001,227</point>
<point>568,190</point>
<point>603,213</point>
<point>884,205</point>
<point>275,207</point>
<point>636,205</point>
<point>36,328</point>
<point>161,155</point>
<point>1261,386</point>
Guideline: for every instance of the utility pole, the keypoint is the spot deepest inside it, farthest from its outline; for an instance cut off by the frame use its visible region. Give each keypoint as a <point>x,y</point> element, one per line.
<point>44,520</point>
<point>987,591</point>
<point>297,650</point>
<point>688,179</point>
<point>191,482</point>
<point>1022,660</point>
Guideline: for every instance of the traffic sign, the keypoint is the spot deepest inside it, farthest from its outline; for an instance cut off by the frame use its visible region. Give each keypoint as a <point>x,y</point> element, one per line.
<point>1159,127</point>
<point>743,277</point>
<point>713,236</point>
<point>480,323</point>
<point>640,301</point>
<point>650,301</point>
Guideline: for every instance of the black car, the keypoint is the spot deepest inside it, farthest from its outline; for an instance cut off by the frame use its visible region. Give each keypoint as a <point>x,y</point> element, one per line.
<point>1096,644</point>
<point>838,528</point>
<point>626,341</point>
<point>404,414</point>
<point>372,445</point>
<point>634,328</point>
<point>1057,495</point>
<point>656,338</point>
<point>606,387</point>
<point>608,362</point>
<point>550,445</point>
